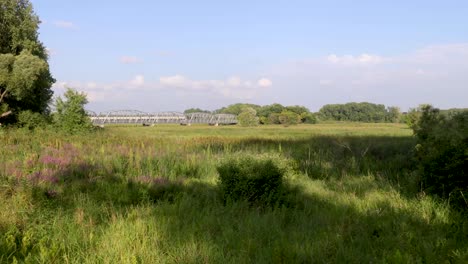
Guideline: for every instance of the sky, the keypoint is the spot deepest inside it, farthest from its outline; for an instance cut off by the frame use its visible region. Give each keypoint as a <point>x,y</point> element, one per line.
<point>173,55</point>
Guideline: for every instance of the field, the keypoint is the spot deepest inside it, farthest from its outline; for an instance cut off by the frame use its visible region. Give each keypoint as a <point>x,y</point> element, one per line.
<point>150,195</point>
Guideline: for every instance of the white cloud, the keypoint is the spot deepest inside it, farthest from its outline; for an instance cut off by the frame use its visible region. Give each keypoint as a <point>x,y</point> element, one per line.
<point>51,52</point>
<point>264,82</point>
<point>325,82</point>
<point>129,60</point>
<point>100,92</point>
<point>177,81</point>
<point>138,81</point>
<point>350,60</point>
<point>233,87</point>
<point>178,85</point>
<point>435,74</point>
<point>64,24</point>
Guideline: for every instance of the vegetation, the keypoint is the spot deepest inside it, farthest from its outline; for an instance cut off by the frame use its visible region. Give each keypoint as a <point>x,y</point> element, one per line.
<point>71,116</point>
<point>195,110</point>
<point>25,79</point>
<point>153,195</point>
<point>287,118</point>
<point>443,154</point>
<point>359,112</point>
<point>332,193</point>
<point>258,181</point>
<point>248,117</point>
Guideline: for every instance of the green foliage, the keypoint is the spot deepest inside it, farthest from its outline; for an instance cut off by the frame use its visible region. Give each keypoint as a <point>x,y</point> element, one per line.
<point>270,114</point>
<point>31,120</point>
<point>25,79</point>
<point>248,117</point>
<point>236,109</point>
<point>393,114</point>
<point>71,116</point>
<point>308,118</point>
<point>267,110</point>
<point>258,181</point>
<point>273,118</point>
<point>195,110</point>
<point>442,151</point>
<point>414,115</point>
<point>298,109</point>
<point>357,112</point>
<point>287,118</point>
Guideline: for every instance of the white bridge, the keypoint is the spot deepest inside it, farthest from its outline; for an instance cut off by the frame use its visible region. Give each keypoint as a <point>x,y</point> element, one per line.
<point>138,117</point>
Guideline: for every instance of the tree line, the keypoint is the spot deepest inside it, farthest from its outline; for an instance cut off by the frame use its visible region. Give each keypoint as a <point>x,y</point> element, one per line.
<point>252,114</point>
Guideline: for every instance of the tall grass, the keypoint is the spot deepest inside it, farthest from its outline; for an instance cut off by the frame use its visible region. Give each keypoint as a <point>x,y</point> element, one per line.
<point>151,195</point>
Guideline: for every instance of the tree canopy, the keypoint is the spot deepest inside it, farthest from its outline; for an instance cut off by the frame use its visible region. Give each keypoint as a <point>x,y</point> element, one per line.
<point>71,116</point>
<point>360,112</point>
<point>25,79</point>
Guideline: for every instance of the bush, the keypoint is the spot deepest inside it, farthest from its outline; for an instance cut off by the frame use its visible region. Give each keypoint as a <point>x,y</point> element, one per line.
<point>308,118</point>
<point>248,117</point>
<point>71,116</point>
<point>442,152</point>
<point>288,118</point>
<point>259,181</point>
<point>31,120</point>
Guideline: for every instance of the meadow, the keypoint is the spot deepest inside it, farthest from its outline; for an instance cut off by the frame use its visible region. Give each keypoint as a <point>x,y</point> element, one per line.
<point>130,194</point>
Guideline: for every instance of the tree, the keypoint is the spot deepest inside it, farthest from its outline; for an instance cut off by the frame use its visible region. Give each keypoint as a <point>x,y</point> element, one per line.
<point>393,114</point>
<point>236,109</point>
<point>298,109</point>
<point>25,79</point>
<point>308,118</point>
<point>71,116</point>
<point>248,117</point>
<point>288,118</point>
<point>195,110</point>
<point>414,114</point>
<point>273,118</point>
<point>267,110</point>
<point>358,112</point>
<point>442,152</point>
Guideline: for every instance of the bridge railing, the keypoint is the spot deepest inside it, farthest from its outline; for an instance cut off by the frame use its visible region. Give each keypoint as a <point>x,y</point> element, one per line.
<point>138,117</point>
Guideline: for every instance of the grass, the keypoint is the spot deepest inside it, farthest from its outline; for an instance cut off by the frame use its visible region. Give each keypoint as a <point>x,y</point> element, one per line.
<point>150,195</point>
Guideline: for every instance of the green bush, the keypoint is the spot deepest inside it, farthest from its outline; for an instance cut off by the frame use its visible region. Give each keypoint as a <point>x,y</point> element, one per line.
<point>71,116</point>
<point>248,117</point>
<point>31,120</point>
<point>442,152</point>
<point>308,118</point>
<point>258,181</point>
<point>287,118</point>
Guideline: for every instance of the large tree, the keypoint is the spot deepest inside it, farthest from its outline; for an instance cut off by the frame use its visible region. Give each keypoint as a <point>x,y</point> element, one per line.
<point>25,79</point>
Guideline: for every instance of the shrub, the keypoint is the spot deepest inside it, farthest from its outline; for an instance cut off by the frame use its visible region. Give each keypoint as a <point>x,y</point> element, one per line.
<point>442,152</point>
<point>248,117</point>
<point>71,116</point>
<point>288,118</point>
<point>258,181</point>
<point>308,118</point>
<point>31,120</point>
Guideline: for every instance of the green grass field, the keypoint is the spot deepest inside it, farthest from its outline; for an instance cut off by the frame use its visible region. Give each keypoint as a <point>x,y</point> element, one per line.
<point>149,195</point>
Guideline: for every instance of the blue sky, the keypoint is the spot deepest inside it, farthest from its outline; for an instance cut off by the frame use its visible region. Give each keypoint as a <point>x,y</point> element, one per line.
<point>172,55</point>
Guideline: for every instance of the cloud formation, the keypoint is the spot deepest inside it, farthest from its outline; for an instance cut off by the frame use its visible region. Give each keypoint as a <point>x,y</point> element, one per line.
<point>360,60</point>
<point>129,60</point>
<point>435,74</point>
<point>233,87</point>
<point>64,24</point>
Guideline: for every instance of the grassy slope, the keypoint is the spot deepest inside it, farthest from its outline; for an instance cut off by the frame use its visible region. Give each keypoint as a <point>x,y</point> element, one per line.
<point>148,195</point>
